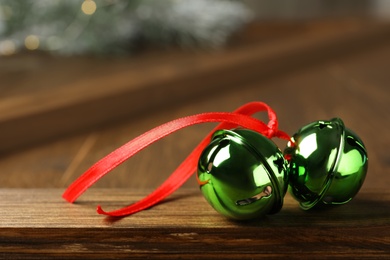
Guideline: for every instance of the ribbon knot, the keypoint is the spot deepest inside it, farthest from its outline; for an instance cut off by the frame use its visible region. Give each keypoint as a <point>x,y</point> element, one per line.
<point>271,133</point>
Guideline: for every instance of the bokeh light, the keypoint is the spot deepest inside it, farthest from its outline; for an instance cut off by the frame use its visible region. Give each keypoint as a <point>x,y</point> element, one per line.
<point>31,42</point>
<point>7,47</point>
<point>88,7</point>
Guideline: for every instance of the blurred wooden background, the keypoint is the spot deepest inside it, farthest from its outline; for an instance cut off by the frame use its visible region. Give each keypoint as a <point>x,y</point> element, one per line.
<point>60,115</point>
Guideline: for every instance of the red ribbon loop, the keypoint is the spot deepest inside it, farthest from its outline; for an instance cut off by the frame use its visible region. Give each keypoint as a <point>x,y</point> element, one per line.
<point>240,117</point>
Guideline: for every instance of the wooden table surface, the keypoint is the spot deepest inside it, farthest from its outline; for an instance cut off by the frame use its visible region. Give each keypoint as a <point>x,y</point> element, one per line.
<point>37,223</point>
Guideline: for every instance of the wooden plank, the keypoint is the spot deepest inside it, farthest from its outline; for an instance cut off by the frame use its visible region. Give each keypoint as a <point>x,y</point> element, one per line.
<point>37,223</point>
<point>77,101</point>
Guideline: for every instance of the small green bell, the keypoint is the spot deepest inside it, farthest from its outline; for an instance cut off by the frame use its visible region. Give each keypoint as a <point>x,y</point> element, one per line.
<point>328,164</point>
<point>244,174</point>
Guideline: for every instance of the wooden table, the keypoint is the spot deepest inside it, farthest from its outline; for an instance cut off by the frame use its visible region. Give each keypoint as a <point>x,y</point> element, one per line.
<point>36,223</point>
<point>348,80</point>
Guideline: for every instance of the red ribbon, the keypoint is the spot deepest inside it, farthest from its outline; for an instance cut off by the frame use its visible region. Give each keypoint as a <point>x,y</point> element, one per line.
<point>240,117</point>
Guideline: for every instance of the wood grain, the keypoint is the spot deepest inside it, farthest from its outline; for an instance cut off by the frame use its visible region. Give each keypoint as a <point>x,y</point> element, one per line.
<point>354,88</point>
<point>53,103</point>
<point>38,224</point>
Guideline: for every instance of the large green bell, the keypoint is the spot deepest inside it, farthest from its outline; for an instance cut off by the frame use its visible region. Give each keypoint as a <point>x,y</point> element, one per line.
<point>245,174</point>
<point>328,164</point>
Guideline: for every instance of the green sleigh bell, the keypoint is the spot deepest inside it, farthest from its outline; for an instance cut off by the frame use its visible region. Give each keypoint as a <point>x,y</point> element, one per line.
<point>243,174</point>
<point>328,164</point>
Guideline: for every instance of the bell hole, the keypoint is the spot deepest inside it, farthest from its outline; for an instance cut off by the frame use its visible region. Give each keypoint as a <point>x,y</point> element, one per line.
<point>322,125</point>
<point>209,166</point>
<point>265,193</point>
<point>267,190</point>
